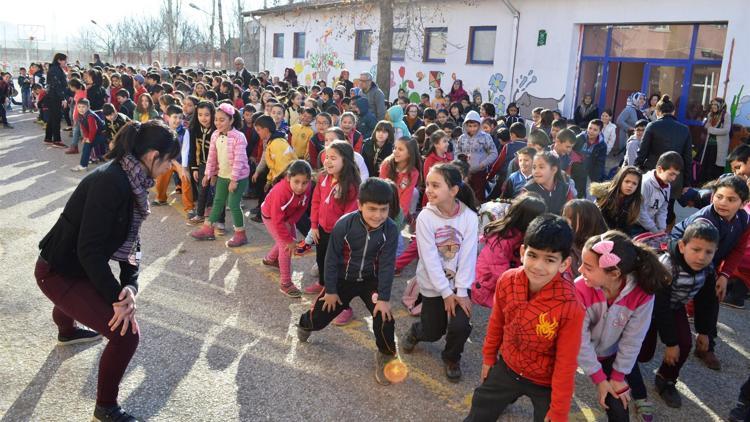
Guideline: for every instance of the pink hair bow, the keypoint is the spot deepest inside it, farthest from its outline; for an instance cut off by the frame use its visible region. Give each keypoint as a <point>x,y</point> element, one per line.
<point>607,258</point>
<point>226,108</point>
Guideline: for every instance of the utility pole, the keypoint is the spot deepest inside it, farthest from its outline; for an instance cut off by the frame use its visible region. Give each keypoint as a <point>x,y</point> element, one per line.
<point>222,46</point>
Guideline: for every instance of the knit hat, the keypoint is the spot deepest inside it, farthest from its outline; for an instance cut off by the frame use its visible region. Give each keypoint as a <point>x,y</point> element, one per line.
<point>138,77</point>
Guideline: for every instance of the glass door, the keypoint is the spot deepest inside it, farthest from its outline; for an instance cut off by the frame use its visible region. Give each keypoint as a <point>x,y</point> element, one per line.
<point>666,79</point>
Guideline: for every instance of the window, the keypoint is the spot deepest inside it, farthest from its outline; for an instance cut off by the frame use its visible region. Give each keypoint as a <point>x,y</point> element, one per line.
<point>482,44</point>
<point>399,45</point>
<point>435,44</point>
<point>595,40</point>
<point>298,50</point>
<point>710,42</point>
<point>704,86</point>
<point>278,45</point>
<point>362,44</point>
<point>655,41</point>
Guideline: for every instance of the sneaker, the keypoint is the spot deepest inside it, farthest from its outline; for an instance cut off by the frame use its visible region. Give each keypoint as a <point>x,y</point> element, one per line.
<point>72,150</point>
<point>80,335</point>
<point>270,263</point>
<point>709,359</point>
<point>409,341</point>
<point>205,232</point>
<point>313,289</point>
<point>68,129</point>
<point>314,270</point>
<point>302,248</point>
<point>79,168</point>
<point>381,360</point>
<point>112,414</point>
<point>190,214</point>
<point>733,302</point>
<point>221,229</point>
<point>195,221</point>
<point>290,290</point>
<point>178,190</point>
<point>157,203</point>
<point>668,392</point>
<point>8,126</point>
<point>48,142</point>
<point>238,239</point>
<point>644,410</point>
<point>740,412</point>
<point>302,334</point>
<point>345,317</point>
<point>452,370</point>
<point>59,144</point>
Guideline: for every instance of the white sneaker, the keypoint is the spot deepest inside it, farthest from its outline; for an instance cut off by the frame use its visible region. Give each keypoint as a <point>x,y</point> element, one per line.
<point>314,270</point>
<point>79,168</point>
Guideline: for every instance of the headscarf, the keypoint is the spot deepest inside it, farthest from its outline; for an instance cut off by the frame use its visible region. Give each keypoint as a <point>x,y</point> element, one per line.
<point>634,98</point>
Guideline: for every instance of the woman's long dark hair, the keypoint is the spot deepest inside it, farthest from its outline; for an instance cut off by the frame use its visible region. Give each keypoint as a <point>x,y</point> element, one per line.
<point>57,58</point>
<point>612,200</point>
<point>349,175</point>
<point>139,138</point>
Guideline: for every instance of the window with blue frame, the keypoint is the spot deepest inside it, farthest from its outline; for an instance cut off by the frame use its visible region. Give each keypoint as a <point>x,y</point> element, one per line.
<point>362,44</point>
<point>398,53</point>
<point>298,49</point>
<point>435,45</point>
<point>482,45</point>
<point>278,45</point>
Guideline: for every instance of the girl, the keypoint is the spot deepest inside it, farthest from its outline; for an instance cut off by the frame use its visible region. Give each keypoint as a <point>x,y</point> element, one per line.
<point>348,123</point>
<point>227,159</point>
<point>447,242</point>
<point>323,121</point>
<point>282,208</point>
<point>395,115</point>
<point>512,115</point>
<point>456,112</point>
<point>200,91</point>
<point>440,101</point>
<point>198,147</point>
<point>254,99</point>
<point>145,110</point>
<point>378,147</point>
<point>502,241</point>
<point>549,181</point>
<point>620,199</point>
<point>411,119</point>
<point>617,285</point>
<point>337,134</point>
<point>650,111</point>
<point>436,152</point>
<point>403,168</point>
<point>586,220</point>
<point>609,130</point>
<point>716,148</point>
<point>226,92</point>
<point>294,108</point>
<point>238,102</point>
<point>335,194</point>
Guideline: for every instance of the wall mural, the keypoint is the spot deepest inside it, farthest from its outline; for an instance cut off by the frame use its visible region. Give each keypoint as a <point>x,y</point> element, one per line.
<point>526,101</point>
<point>740,108</point>
<point>495,92</point>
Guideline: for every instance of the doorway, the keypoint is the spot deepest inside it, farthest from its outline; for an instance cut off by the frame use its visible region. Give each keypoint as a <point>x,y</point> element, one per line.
<point>623,78</point>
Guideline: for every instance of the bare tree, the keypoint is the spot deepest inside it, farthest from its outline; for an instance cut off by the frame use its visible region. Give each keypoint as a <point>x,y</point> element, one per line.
<point>385,46</point>
<point>87,41</point>
<point>147,34</point>
<point>222,45</point>
<point>171,11</point>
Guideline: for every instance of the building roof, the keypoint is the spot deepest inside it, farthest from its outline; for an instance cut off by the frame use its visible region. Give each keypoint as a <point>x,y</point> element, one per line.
<point>303,5</point>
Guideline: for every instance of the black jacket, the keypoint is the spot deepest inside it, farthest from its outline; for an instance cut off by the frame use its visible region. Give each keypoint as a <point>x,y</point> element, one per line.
<point>582,120</point>
<point>97,96</point>
<point>56,82</point>
<point>666,134</point>
<point>127,108</point>
<point>93,225</point>
<point>245,76</point>
<point>373,159</point>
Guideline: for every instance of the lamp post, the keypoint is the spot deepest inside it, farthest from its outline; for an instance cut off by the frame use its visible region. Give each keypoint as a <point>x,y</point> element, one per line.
<point>211,31</point>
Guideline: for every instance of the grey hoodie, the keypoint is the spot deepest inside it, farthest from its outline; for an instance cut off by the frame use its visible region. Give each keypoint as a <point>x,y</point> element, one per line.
<point>479,148</point>
<point>653,215</point>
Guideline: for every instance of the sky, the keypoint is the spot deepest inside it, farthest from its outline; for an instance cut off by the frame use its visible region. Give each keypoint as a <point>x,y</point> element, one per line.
<point>61,19</point>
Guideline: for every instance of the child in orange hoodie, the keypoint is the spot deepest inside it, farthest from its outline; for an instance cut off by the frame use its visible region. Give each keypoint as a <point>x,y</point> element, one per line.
<point>535,326</point>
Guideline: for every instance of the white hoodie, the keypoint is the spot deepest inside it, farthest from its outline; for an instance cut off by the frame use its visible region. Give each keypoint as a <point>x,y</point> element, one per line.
<point>447,251</point>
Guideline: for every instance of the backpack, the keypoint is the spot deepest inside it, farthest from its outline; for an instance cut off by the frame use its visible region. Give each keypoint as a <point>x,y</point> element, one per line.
<point>659,241</point>
<point>411,298</point>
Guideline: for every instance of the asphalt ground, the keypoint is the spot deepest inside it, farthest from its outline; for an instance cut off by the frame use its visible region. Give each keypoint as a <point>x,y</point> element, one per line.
<point>218,340</point>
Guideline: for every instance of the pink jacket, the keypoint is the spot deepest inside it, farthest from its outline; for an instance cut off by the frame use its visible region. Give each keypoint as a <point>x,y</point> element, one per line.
<point>740,257</point>
<point>282,207</point>
<point>237,145</point>
<point>498,255</point>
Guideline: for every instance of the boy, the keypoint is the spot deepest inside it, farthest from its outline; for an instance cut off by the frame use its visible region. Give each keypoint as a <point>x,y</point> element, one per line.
<point>517,141</point>
<point>277,154</point>
<point>127,106</point>
<point>518,179</point>
<point>174,120</point>
<point>489,126</point>
<point>323,121</point>
<point>277,114</point>
<point>480,149</point>
<point>631,148</point>
<point>591,146</point>
<point>6,97</point>
<point>370,238</point>
<point>539,341</point>
<point>24,81</point>
<point>429,116</point>
<point>655,191</point>
<point>92,132</point>
<point>366,120</point>
<point>424,103</point>
<point>113,121</point>
<point>300,133</point>
<point>557,126</point>
<point>689,259</point>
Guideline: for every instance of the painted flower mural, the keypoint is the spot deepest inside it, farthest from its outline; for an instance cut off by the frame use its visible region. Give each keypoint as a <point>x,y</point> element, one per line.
<point>323,62</point>
<point>495,92</point>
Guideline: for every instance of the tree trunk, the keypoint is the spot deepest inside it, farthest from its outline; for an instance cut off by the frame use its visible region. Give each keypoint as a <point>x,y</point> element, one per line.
<point>385,47</point>
<point>213,46</point>
<point>222,46</point>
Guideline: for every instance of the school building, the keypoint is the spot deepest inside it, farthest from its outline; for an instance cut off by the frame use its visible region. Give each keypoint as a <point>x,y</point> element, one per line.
<point>533,52</point>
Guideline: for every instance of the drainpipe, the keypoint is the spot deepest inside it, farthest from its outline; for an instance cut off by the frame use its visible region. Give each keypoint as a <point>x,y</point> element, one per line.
<point>516,19</point>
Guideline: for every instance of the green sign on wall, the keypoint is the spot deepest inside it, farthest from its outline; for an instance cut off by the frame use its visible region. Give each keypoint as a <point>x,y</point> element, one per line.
<point>541,38</point>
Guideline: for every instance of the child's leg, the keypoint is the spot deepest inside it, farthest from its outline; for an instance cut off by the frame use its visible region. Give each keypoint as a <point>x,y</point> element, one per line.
<point>635,379</point>
<point>616,412</point>
<point>279,252</point>
<point>497,391</point>
<point>187,188</point>
<point>316,318</point>
<point>234,204</point>
<point>309,238</point>
<point>407,256</point>
<point>432,321</point>
<point>303,224</point>
<point>162,183</point>
<point>320,253</point>
<point>383,330</point>
<point>85,154</point>
<point>458,331</point>
<point>76,135</point>
<point>685,342</point>
<point>220,199</point>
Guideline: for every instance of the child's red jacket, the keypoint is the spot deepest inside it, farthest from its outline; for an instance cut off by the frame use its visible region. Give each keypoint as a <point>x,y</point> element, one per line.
<point>538,337</point>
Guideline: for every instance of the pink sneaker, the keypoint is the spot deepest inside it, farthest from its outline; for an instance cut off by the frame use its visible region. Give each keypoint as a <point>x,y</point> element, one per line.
<point>313,289</point>
<point>205,232</point>
<point>238,239</point>
<point>344,318</point>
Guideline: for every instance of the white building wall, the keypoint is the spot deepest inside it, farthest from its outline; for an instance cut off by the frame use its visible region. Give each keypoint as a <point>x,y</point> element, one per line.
<point>543,75</point>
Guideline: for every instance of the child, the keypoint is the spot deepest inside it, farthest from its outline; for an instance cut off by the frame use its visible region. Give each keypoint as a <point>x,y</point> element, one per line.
<point>370,239</point>
<point>395,115</point>
<point>440,102</point>
<point>337,134</point>
<point>549,182</point>
<point>620,199</point>
<point>557,126</point>
<point>517,141</point>
<point>323,121</point>
<point>380,146</point>
<point>447,243</point>
<point>586,220</point>
<point>366,118</point>
<point>79,92</point>
<point>411,119</point>
<point>228,146</point>
<point>92,132</point>
<point>348,122</point>
<point>127,106</point>
<point>616,288</point>
<point>739,162</point>
<point>113,121</point>
<point>631,148</point>
<point>430,116</point>
<point>283,206</point>
<point>174,120</point>
<point>198,141</point>
<point>655,191</point>
<point>335,194</point>
<point>436,153</point>
<point>145,110</point>
<point>565,140</point>
<point>519,178</point>
<point>301,132</point>
<point>609,130</point>
<point>688,261</point>
<point>535,326</point>
<point>502,242</point>
<point>591,146</point>
<point>403,168</point>
<point>512,115</point>
<point>480,149</point>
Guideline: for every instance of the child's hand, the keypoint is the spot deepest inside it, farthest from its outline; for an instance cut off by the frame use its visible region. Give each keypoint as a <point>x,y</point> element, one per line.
<point>88,141</point>
<point>315,235</point>
<point>385,310</point>
<point>604,389</point>
<point>195,175</point>
<point>266,187</point>
<point>252,160</point>
<point>701,343</point>
<point>450,305</point>
<point>485,371</point>
<point>255,177</point>
<point>672,355</point>
<point>623,390</point>
<point>721,288</point>
<point>232,186</point>
<point>465,304</point>
<point>205,181</point>
<point>291,247</point>
<point>330,301</point>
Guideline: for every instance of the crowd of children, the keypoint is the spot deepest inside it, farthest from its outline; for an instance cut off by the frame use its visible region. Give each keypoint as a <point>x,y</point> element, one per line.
<point>567,283</point>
